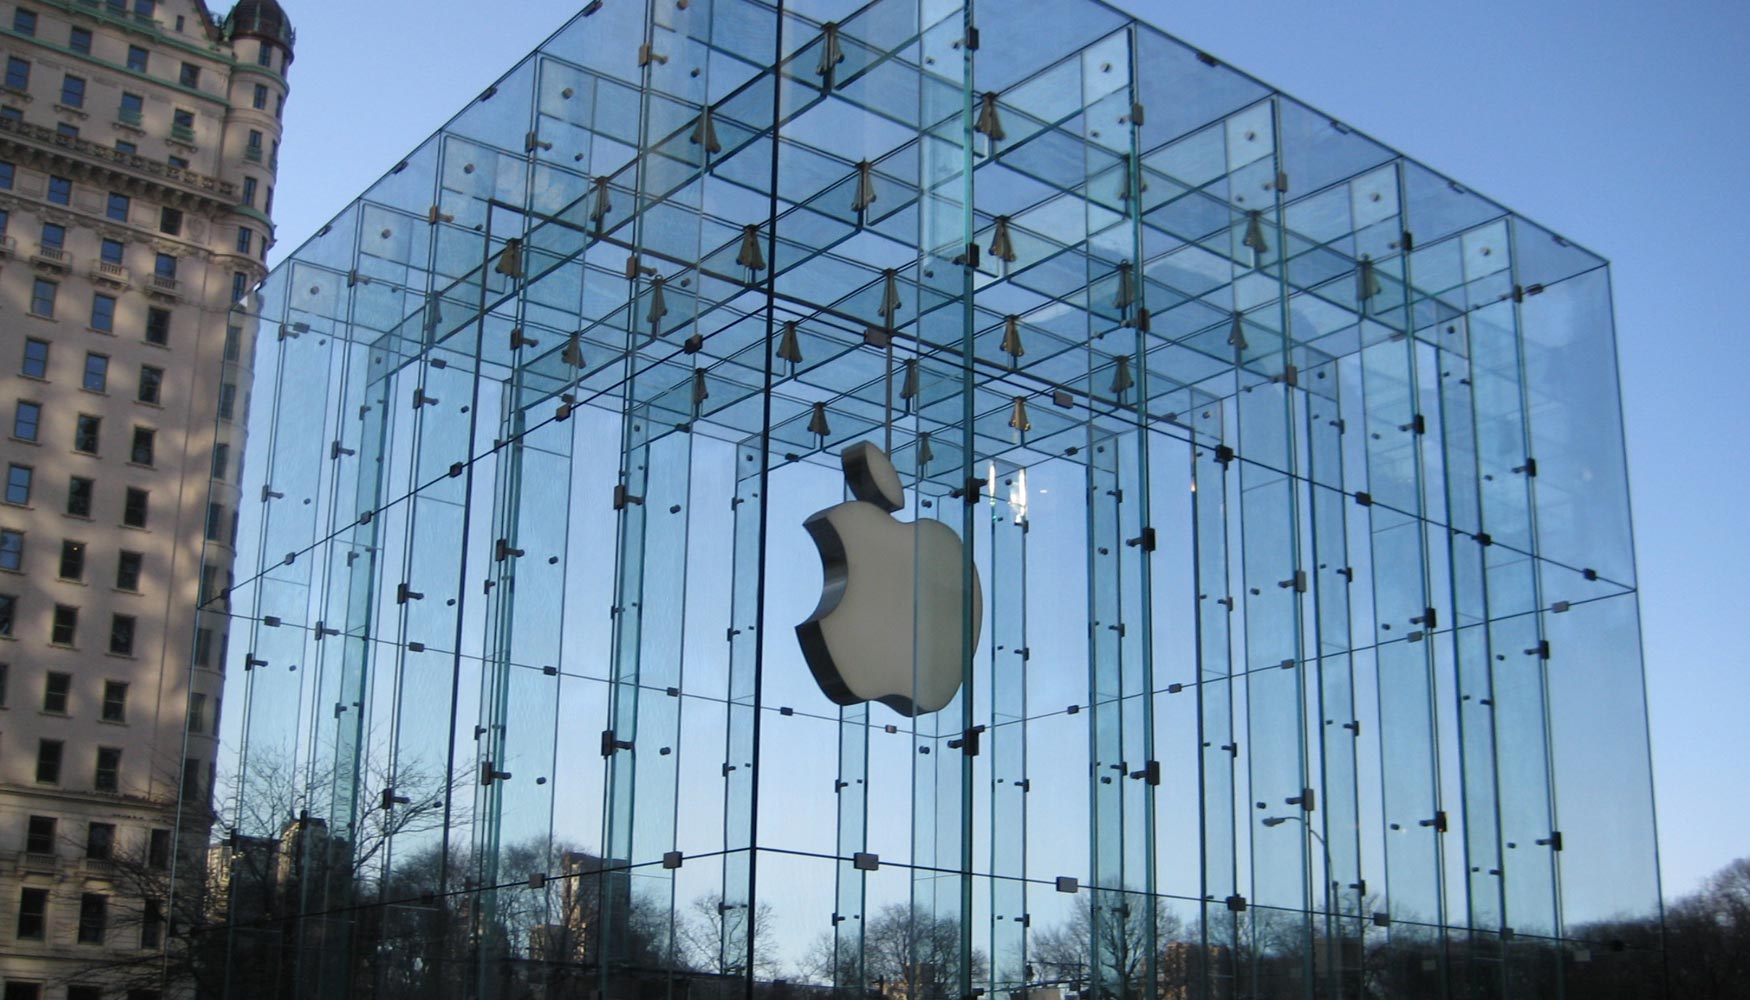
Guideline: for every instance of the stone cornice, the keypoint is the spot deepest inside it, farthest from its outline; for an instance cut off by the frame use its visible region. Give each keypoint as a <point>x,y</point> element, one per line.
<point>48,150</point>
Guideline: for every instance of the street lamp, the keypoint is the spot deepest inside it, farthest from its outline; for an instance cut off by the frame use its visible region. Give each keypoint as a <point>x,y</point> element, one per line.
<point>1331,883</point>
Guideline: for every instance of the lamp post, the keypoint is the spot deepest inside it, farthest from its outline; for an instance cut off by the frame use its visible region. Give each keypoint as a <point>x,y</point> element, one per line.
<point>1331,885</point>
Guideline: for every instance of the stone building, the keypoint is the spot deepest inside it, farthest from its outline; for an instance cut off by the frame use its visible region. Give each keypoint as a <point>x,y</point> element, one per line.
<point>138,146</point>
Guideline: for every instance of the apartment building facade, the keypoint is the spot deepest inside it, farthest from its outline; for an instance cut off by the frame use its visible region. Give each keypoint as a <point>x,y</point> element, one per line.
<point>138,145</point>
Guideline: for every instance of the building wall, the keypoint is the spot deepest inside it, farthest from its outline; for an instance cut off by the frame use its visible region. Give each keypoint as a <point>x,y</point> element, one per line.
<point>174,139</point>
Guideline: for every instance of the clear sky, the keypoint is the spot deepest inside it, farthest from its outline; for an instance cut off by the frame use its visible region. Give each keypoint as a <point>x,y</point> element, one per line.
<point>1619,124</point>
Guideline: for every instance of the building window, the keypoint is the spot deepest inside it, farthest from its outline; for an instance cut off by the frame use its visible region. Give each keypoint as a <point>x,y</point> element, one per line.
<point>26,420</point>
<point>39,835</point>
<point>151,384</point>
<point>248,191</point>
<point>33,914</point>
<point>7,171</point>
<point>164,266</point>
<point>102,314</point>
<point>221,461</point>
<point>96,372</point>
<point>264,55</point>
<point>158,849</point>
<point>54,236</point>
<point>11,549</point>
<point>128,567</point>
<point>182,125</point>
<point>24,21</point>
<point>197,710</point>
<point>100,841</point>
<point>137,59</point>
<point>259,102</point>
<point>63,630</point>
<point>93,917</point>
<point>109,767</point>
<point>17,73</point>
<point>191,75</point>
<point>133,109</point>
<point>157,326</point>
<point>253,149</point>
<point>79,40</point>
<point>60,190</point>
<point>134,508</point>
<point>245,239</point>
<point>5,221</point>
<point>239,286</point>
<point>87,430</point>
<point>73,91</point>
<point>57,687</point>
<point>79,493</point>
<point>170,221</point>
<point>145,439</point>
<point>151,926</point>
<point>48,762</point>
<point>36,359</point>
<point>203,647</point>
<point>110,252</point>
<point>121,635</point>
<point>115,701</point>
<point>72,560</point>
<point>8,611</point>
<point>18,484</point>
<point>227,400</point>
<point>5,669</point>
<point>42,298</point>
<point>10,113</point>
<point>267,200</point>
<point>122,146</point>
<point>191,780</point>
<point>279,105</point>
<point>117,207</point>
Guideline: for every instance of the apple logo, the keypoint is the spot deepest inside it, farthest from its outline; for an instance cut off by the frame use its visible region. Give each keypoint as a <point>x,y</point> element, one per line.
<point>888,626</point>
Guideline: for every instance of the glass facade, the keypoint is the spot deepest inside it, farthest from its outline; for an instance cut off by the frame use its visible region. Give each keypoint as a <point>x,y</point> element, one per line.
<point>1278,543</point>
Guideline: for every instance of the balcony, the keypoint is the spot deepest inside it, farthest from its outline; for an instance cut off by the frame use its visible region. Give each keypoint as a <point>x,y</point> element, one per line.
<point>164,286</point>
<point>182,133</point>
<point>133,119</point>
<point>111,274</point>
<point>51,258</point>
<point>252,154</point>
<point>51,146</point>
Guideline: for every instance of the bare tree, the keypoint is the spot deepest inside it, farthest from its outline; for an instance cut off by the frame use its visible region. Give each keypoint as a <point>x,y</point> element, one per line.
<point>908,952</point>
<point>1110,937</point>
<point>714,937</point>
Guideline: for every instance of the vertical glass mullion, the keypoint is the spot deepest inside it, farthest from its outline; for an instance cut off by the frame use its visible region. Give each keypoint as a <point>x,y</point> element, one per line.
<point>1409,758</point>
<point>1009,656</point>
<point>1275,662</point>
<point>1338,815</point>
<point>1217,740</point>
<point>1143,915</point>
<point>1465,639</point>
<point>1531,874</point>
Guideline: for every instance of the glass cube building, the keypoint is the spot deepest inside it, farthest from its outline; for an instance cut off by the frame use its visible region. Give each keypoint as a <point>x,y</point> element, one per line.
<point>1276,634</point>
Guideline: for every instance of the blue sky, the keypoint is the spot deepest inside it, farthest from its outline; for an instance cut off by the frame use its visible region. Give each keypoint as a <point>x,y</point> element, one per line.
<point>1619,125</point>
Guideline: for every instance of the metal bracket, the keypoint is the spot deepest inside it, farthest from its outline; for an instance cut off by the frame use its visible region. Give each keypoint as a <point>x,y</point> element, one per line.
<point>611,743</point>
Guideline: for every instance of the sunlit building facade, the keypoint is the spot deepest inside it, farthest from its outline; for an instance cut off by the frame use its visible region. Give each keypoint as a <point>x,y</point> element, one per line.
<point>1270,631</point>
<point>138,149</point>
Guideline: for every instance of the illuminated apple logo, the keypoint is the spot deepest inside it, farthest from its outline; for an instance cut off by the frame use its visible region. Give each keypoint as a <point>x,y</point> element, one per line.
<point>889,624</point>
